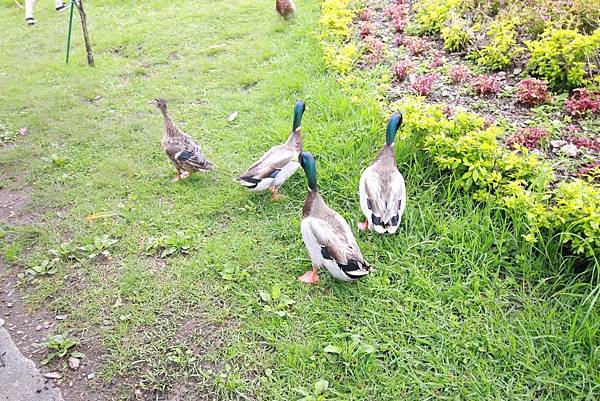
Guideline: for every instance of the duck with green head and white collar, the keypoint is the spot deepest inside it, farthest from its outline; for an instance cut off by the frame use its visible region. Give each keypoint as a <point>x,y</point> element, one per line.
<point>327,236</point>
<point>382,190</point>
<point>279,163</point>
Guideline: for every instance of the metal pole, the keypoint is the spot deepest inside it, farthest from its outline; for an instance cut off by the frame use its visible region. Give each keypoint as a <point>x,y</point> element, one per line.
<point>70,26</point>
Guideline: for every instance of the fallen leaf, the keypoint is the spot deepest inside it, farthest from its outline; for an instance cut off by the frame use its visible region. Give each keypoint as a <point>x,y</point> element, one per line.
<point>331,349</point>
<point>100,215</point>
<point>52,375</point>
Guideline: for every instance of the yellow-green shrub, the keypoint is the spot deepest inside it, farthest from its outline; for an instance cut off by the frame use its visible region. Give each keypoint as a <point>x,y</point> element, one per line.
<point>576,215</point>
<point>432,14</point>
<point>561,57</point>
<point>335,33</point>
<point>502,48</point>
<point>456,34</point>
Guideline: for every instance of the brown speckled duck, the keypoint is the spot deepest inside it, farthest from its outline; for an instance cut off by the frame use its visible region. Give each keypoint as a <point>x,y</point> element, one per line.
<point>285,8</point>
<point>382,191</point>
<point>182,150</point>
<point>279,163</point>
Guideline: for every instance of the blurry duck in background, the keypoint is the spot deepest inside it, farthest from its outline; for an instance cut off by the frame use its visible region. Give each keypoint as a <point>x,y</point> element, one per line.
<point>382,191</point>
<point>182,150</point>
<point>285,8</point>
<point>279,163</point>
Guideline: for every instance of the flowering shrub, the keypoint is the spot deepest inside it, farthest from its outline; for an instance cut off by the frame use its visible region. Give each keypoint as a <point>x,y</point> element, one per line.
<point>582,101</point>
<point>532,92</point>
<point>458,74</point>
<point>424,84</point>
<point>417,46</point>
<point>485,85</point>
<point>528,137</point>
<point>402,69</point>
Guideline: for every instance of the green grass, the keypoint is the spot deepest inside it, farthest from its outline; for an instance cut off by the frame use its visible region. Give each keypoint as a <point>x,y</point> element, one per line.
<point>459,308</point>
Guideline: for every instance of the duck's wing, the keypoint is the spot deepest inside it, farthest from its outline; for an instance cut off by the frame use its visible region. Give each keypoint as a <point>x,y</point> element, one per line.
<point>262,173</point>
<point>186,154</point>
<point>385,194</point>
<point>334,236</point>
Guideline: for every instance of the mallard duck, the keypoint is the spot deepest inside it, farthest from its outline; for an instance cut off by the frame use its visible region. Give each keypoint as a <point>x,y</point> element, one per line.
<point>182,150</point>
<point>279,163</point>
<point>285,8</point>
<point>327,236</point>
<point>382,191</point>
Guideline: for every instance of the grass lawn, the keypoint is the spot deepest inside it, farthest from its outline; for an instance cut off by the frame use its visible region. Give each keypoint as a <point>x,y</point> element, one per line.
<point>460,308</point>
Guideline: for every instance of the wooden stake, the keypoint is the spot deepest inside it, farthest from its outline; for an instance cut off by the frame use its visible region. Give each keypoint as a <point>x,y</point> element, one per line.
<point>86,35</point>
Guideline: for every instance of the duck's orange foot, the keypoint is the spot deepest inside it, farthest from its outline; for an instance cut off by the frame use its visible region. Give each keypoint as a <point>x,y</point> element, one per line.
<point>310,277</point>
<point>275,194</point>
<point>363,225</point>
<point>176,178</point>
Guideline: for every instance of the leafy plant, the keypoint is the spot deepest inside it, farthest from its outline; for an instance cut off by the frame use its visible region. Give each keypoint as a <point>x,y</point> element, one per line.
<point>100,246</point>
<point>502,49</point>
<point>459,74</point>
<point>532,92</point>
<point>59,346</point>
<point>528,137</point>
<point>423,85</point>
<point>233,273</point>
<point>485,85</point>
<point>456,34</point>
<point>583,142</point>
<point>319,391</point>
<point>417,46</point>
<point>46,267</point>
<point>402,69</point>
<point>431,15</point>
<point>275,301</point>
<point>590,172</point>
<point>168,245</point>
<point>561,57</point>
<point>582,102</point>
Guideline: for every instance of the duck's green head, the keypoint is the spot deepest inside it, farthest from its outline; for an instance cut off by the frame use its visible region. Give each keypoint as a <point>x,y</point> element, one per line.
<point>307,161</point>
<point>392,128</point>
<point>298,112</point>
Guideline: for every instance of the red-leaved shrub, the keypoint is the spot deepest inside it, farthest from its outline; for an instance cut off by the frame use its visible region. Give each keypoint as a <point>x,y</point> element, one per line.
<point>399,40</point>
<point>528,137</point>
<point>365,14</point>
<point>374,50</point>
<point>590,171</point>
<point>402,69</point>
<point>438,60</point>
<point>366,29</point>
<point>416,46</point>
<point>485,85</point>
<point>399,24</point>
<point>423,85</point>
<point>583,101</point>
<point>532,92</point>
<point>582,142</point>
<point>458,74</point>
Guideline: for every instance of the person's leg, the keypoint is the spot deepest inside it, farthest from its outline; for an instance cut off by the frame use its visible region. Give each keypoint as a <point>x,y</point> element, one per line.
<point>29,4</point>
